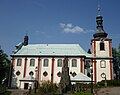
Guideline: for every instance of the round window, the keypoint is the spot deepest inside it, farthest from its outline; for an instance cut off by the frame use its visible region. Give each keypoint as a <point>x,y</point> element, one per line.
<point>59,74</point>
<point>18,73</point>
<point>45,73</point>
<point>31,73</point>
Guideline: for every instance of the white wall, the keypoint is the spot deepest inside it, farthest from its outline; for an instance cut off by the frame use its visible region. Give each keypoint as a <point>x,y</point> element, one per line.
<point>71,69</point>
<point>15,78</point>
<point>104,52</point>
<point>102,55</point>
<point>100,70</point>
<point>48,69</point>
<point>31,68</point>
<point>56,79</point>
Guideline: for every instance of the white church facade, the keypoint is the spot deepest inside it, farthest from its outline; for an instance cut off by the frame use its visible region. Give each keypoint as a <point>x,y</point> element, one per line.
<point>44,62</point>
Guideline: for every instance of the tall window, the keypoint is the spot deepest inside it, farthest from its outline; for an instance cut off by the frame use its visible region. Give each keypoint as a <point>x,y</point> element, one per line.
<point>19,62</point>
<point>32,62</point>
<point>59,63</point>
<point>102,46</point>
<point>103,64</point>
<point>45,64</point>
<point>74,63</point>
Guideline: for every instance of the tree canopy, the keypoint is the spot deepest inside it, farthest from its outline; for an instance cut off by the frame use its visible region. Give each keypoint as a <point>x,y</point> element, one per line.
<point>4,67</point>
<point>116,61</point>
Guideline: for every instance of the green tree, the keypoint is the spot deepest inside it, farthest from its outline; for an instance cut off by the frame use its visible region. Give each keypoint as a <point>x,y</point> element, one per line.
<point>119,59</point>
<point>116,61</point>
<point>4,67</point>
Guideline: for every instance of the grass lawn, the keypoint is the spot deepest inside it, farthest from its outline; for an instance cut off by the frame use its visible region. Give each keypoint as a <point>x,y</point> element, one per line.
<point>82,93</point>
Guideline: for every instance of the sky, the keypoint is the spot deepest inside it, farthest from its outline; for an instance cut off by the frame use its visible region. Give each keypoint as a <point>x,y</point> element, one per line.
<point>56,22</point>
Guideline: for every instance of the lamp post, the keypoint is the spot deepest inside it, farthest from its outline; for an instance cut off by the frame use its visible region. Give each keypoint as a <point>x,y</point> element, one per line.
<point>36,69</point>
<point>103,75</point>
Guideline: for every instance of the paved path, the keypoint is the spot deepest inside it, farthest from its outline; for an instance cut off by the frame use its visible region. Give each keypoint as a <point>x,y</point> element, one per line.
<point>109,91</point>
<point>18,92</point>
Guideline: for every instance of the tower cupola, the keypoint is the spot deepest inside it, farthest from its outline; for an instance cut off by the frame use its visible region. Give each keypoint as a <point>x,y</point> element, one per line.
<point>100,31</point>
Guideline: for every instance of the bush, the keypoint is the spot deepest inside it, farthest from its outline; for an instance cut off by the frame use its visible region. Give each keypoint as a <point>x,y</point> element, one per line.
<point>109,83</point>
<point>82,87</point>
<point>48,87</point>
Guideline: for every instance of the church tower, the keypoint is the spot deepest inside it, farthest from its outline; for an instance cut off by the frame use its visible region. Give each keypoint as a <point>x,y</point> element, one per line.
<point>102,52</point>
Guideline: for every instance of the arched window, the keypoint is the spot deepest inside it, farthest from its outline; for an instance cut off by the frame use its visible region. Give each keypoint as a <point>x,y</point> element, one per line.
<point>102,46</point>
<point>32,62</point>
<point>74,63</point>
<point>103,64</point>
<point>45,64</point>
<point>19,62</point>
<point>59,63</point>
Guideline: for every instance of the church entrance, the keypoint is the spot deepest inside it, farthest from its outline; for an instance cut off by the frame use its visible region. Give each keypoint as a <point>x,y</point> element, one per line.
<point>26,85</point>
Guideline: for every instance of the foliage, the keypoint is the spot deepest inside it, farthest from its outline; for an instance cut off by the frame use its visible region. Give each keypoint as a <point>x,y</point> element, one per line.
<point>3,90</point>
<point>116,61</point>
<point>48,87</point>
<point>4,67</point>
<point>109,83</point>
<point>82,87</point>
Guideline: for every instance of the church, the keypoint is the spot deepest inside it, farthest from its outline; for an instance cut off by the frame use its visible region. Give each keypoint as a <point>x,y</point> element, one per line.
<point>43,62</point>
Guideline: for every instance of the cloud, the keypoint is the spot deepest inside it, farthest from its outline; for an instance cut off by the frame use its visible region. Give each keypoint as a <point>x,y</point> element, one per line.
<point>70,28</point>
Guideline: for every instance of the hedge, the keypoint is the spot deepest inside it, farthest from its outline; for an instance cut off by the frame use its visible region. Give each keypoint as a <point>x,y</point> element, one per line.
<point>109,83</point>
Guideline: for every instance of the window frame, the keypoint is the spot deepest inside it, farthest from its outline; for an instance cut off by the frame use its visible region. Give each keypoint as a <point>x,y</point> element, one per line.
<point>19,62</point>
<point>59,63</point>
<point>73,62</point>
<point>32,62</point>
<point>102,46</point>
<point>102,65</point>
<point>44,63</point>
